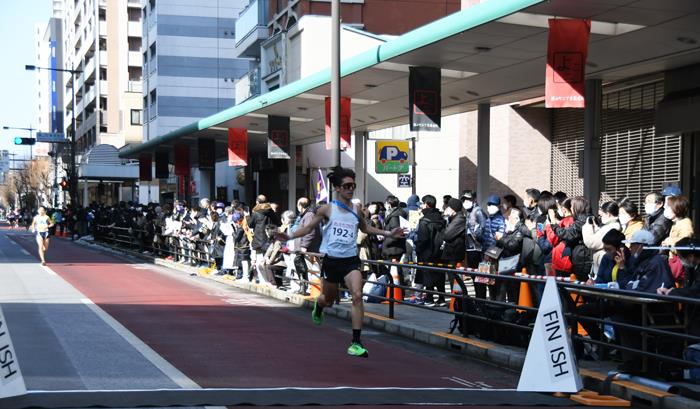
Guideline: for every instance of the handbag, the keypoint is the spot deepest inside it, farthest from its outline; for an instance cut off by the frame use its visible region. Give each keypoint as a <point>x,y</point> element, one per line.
<point>508,265</point>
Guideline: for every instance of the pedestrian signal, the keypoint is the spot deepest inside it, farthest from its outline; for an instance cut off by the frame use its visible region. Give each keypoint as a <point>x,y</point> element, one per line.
<point>24,141</point>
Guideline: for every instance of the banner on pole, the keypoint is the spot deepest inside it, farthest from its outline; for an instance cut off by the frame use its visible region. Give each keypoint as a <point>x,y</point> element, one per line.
<point>206,153</point>
<point>237,147</point>
<point>162,159</point>
<point>345,130</point>
<point>424,98</point>
<point>567,50</point>
<point>278,137</point>
<point>145,168</point>
<point>321,188</point>
<point>182,160</point>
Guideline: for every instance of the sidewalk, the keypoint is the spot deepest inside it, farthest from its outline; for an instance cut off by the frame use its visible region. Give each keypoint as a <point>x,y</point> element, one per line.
<point>432,327</point>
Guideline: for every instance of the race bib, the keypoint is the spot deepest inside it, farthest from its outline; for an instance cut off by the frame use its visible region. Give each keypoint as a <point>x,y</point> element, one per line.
<point>342,232</point>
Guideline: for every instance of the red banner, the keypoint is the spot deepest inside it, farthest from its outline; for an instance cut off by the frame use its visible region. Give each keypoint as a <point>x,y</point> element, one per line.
<point>237,147</point>
<point>182,160</point>
<point>567,51</point>
<point>145,168</point>
<point>345,130</point>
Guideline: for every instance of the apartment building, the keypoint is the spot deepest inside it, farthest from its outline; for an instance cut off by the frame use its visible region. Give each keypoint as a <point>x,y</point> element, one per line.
<point>102,38</point>
<point>189,65</point>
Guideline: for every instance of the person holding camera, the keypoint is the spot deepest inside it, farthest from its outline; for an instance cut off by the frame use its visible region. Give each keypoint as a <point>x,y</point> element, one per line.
<point>596,228</point>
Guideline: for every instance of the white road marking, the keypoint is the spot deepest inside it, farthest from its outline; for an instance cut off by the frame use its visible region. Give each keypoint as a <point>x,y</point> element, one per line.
<point>25,252</point>
<point>48,270</point>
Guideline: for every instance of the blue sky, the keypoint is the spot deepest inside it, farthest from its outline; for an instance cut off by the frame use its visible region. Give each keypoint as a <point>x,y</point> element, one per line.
<point>17,86</point>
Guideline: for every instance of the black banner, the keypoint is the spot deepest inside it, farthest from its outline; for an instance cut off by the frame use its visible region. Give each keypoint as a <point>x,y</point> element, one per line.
<point>206,150</point>
<point>162,171</point>
<point>278,137</point>
<point>424,102</point>
<point>145,167</point>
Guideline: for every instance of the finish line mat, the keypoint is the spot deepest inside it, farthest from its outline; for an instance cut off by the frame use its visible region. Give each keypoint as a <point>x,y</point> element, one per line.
<point>281,397</point>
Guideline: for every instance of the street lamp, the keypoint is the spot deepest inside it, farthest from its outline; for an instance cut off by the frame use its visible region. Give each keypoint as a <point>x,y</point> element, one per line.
<point>72,177</point>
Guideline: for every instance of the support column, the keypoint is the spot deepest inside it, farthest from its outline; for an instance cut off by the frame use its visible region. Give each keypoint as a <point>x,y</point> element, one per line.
<point>592,130</point>
<point>483,152</point>
<point>361,165</point>
<point>85,193</point>
<point>205,182</point>
<point>292,179</point>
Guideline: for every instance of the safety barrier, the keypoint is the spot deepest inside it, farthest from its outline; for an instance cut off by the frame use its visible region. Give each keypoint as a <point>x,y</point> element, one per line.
<point>662,338</point>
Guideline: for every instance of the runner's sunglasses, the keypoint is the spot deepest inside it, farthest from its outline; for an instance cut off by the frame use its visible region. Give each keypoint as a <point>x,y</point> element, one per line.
<point>349,186</point>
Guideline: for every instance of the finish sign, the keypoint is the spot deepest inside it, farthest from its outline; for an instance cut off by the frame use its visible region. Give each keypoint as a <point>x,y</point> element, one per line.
<point>11,380</point>
<point>550,347</point>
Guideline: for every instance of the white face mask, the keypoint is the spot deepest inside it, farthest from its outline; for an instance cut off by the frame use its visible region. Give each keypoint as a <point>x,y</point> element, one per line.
<point>668,213</point>
<point>467,204</point>
<point>219,211</point>
<point>492,209</point>
<point>649,208</point>
<point>509,227</point>
<point>625,218</point>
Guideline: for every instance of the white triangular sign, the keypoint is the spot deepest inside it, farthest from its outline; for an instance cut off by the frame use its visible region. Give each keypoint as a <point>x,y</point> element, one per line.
<point>11,380</point>
<point>550,365</point>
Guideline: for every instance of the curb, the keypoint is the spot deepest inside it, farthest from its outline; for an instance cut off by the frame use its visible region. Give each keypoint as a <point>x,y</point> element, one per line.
<point>486,351</point>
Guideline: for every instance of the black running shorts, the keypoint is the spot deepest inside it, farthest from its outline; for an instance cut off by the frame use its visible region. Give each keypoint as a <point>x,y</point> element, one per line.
<point>334,270</point>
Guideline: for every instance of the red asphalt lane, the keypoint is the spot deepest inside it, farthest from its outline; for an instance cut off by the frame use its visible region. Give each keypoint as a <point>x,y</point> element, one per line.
<point>218,344</point>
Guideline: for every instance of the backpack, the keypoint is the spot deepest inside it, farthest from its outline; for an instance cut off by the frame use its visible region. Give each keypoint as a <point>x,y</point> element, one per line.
<point>458,322</point>
<point>582,262</point>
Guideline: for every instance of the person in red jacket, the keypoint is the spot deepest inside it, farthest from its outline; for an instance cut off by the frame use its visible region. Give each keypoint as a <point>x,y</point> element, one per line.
<point>561,254</point>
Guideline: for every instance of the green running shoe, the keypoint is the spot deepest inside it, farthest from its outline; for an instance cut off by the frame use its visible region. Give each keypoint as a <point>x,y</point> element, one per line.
<point>315,317</point>
<point>356,349</point>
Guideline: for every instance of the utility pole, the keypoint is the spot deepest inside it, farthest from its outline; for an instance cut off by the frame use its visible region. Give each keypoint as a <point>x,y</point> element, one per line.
<point>335,81</point>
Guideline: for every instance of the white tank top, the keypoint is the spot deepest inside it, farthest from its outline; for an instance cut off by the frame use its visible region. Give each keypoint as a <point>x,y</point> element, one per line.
<point>339,235</point>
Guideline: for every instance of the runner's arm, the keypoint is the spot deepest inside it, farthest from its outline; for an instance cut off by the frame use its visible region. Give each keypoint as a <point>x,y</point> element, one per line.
<point>321,214</point>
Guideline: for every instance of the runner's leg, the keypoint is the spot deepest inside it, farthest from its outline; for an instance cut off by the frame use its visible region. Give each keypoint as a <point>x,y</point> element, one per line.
<point>46,244</point>
<point>329,292</point>
<point>40,245</point>
<point>354,283</point>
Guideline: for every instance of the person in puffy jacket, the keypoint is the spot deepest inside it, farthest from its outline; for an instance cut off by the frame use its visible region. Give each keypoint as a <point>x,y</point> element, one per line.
<point>494,224</point>
<point>572,236</point>
<point>655,222</point>
<point>596,228</point>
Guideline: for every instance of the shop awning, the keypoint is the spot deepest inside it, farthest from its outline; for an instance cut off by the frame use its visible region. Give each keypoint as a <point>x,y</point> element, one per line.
<point>491,52</point>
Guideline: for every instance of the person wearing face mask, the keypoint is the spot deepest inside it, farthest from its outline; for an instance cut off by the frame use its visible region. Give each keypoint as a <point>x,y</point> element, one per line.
<point>495,223</point>
<point>655,222</point>
<point>509,202</point>
<point>629,217</point>
<point>649,271</point>
<point>511,241</point>
<point>475,225</point>
<point>454,242</point>
<point>572,236</point>
<point>690,259</point>
<point>594,230</point>
<point>676,211</point>
<point>394,247</point>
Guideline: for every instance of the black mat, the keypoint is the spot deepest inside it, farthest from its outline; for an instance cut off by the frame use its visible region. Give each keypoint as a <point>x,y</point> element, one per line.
<point>281,397</point>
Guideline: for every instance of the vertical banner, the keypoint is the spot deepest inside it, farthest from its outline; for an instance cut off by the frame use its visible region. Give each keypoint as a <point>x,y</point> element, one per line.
<point>145,168</point>
<point>206,153</point>
<point>181,187</point>
<point>278,137</point>
<point>567,50</point>
<point>182,160</point>
<point>162,159</point>
<point>321,189</point>
<point>345,130</point>
<point>424,100</point>
<point>237,147</point>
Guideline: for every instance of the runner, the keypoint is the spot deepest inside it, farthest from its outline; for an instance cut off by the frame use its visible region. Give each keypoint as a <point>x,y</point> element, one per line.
<point>341,262</point>
<point>41,225</point>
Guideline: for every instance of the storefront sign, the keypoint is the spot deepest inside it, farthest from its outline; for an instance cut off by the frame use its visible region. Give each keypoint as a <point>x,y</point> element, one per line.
<point>567,51</point>
<point>391,156</point>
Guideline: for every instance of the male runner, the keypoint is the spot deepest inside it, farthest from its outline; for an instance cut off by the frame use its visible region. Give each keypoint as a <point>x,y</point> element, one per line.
<point>41,225</point>
<point>341,262</point>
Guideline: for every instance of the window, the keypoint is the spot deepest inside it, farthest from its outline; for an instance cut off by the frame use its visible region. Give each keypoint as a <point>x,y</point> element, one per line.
<point>136,118</point>
<point>134,14</point>
<point>134,43</point>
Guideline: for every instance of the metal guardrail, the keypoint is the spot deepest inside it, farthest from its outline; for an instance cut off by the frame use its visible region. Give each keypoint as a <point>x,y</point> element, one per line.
<point>464,278</point>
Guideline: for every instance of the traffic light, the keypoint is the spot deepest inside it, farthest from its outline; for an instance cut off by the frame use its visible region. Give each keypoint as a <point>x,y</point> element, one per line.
<point>24,141</point>
<point>64,184</point>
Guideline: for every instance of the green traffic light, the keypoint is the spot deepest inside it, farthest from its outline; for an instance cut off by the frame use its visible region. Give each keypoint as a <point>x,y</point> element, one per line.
<point>18,141</point>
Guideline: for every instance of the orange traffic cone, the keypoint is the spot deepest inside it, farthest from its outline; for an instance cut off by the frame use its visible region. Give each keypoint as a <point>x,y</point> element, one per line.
<point>398,293</point>
<point>525,295</point>
<point>581,331</point>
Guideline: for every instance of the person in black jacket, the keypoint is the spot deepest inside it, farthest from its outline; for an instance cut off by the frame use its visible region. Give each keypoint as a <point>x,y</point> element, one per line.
<point>512,244</point>
<point>655,222</point>
<point>691,281</point>
<point>430,226</point>
<point>454,243</point>
<point>393,248</point>
<point>261,217</point>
